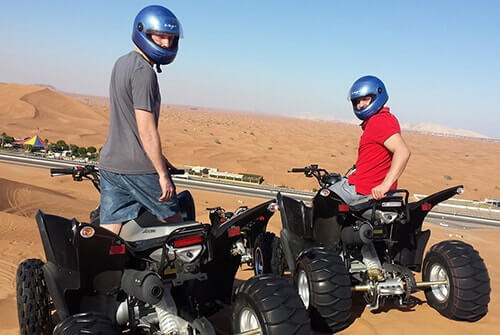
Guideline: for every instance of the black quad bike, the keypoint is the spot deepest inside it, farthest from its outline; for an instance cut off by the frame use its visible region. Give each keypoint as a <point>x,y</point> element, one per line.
<point>372,247</point>
<point>153,278</point>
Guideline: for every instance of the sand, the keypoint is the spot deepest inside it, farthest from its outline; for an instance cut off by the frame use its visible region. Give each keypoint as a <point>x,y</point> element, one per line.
<point>236,142</point>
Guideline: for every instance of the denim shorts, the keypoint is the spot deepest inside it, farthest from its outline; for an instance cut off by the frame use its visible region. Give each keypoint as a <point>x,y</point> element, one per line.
<point>123,195</point>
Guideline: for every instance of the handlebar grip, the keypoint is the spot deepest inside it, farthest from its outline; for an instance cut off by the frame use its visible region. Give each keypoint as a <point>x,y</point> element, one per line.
<point>297,170</point>
<point>56,171</point>
<point>176,171</point>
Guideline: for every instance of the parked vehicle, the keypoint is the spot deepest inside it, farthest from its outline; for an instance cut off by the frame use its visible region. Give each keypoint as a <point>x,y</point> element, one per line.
<point>332,249</point>
<point>153,278</point>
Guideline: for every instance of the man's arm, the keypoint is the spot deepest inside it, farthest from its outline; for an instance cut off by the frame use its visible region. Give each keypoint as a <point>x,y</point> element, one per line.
<point>151,142</point>
<point>400,156</point>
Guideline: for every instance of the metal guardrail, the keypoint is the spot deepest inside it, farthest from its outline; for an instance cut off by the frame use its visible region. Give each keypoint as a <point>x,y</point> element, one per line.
<point>232,188</point>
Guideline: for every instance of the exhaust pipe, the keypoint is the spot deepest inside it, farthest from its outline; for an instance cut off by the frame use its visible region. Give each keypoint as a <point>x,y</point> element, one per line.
<point>144,285</point>
<point>359,236</point>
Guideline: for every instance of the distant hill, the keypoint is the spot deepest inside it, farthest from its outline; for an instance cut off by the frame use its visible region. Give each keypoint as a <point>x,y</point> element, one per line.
<point>28,110</point>
<point>436,129</point>
<point>425,128</point>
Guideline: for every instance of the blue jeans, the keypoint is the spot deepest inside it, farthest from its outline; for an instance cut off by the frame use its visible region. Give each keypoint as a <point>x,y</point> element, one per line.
<point>123,195</point>
<point>346,191</point>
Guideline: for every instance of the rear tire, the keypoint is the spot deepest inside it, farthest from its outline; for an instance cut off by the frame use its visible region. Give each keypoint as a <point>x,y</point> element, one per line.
<point>278,262</point>
<point>86,323</point>
<point>262,253</point>
<point>271,304</point>
<point>467,295</point>
<point>324,285</point>
<point>34,305</point>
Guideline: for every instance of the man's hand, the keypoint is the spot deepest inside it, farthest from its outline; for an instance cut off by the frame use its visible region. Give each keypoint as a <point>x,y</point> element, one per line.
<point>167,188</point>
<point>378,192</point>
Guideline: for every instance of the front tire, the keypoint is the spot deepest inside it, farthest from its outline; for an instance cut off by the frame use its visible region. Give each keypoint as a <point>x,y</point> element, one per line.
<point>324,285</point>
<point>34,305</point>
<point>467,294</point>
<point>86,323</point>
<point>271,305</point>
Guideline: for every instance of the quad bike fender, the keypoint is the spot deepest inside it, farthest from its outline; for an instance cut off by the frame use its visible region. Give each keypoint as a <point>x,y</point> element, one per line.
<point>422,240</point>
<point>56,233</point>
<point>296,217</point>
<point>74,263</point>
<point>59,281</point>
<point>411,254</point>
<point>259,213</point>
<point>418,210</point>
<point>291,245</point>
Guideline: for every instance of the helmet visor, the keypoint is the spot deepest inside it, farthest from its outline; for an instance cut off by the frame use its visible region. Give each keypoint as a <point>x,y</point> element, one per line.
<point>165,41</point>
<point>361,103</point>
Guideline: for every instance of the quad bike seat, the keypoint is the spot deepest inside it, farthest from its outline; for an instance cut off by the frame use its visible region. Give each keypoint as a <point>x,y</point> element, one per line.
<point>148,226</point>
<point>362,205</point>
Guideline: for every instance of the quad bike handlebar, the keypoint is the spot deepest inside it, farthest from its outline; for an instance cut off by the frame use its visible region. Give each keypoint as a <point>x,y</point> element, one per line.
<point>323,177</point>
<point>91,172</point>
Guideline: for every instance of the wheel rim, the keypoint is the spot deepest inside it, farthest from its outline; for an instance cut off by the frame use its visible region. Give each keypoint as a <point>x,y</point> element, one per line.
<point>303,287</point>
<point>259,262</point>
<point>249,321</point>
<point>439,273</point>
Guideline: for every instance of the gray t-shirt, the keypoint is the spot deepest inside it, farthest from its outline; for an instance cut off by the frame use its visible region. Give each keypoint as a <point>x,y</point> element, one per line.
<point>133,85</point>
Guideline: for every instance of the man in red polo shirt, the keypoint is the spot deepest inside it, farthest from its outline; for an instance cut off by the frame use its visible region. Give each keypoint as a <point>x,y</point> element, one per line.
<point>382,153</point>
<point>382,156</point>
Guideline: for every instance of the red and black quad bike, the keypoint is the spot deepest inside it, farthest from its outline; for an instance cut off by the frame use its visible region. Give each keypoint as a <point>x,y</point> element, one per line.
<point>153,278</point>
<point>373,247</point>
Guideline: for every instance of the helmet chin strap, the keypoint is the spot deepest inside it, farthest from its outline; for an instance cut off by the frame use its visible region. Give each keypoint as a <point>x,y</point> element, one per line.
<point>158,68</point>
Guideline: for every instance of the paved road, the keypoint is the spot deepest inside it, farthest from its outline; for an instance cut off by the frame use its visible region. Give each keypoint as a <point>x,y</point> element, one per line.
<point>256,191</point>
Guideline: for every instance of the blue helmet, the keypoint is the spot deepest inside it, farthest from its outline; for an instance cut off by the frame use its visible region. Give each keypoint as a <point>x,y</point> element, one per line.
<point>156,20</point>
<point>368,86</point>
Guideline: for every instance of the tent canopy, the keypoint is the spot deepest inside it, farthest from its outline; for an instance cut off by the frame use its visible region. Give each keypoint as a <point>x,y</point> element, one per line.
<point>36,142</point>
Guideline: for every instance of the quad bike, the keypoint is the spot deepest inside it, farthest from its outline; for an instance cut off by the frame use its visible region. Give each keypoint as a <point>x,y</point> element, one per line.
<point>333,249</point>
<point>153,278</point>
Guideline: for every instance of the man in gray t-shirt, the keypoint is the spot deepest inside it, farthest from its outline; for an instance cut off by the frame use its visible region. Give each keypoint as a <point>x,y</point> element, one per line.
<point>134,172</point>
<point>133,86</point>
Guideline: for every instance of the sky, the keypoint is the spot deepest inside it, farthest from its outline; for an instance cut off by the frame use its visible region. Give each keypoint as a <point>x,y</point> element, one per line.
<point>440,59</point>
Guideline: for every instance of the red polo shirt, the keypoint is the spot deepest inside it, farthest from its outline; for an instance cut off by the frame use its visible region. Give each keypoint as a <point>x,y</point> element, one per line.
<point>374,159</point>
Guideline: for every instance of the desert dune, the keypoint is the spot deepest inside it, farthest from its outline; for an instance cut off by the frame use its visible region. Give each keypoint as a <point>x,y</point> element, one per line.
<point>236,142</point>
